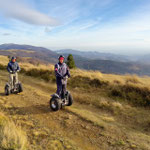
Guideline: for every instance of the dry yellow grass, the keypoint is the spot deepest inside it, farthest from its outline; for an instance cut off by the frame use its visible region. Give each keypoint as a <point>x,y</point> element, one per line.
<point>116,117</point>
<point>4,60</point>
<point>89,116</point>
<point>84,73</point>
<point>133,79</point>
<point>136,80</point>
<point>15,50</point>
<point>28,66</point>
<point>11,136</point>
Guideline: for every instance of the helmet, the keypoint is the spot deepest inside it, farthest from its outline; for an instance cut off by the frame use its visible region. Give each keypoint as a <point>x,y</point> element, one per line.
<point>61,56</point>
<point>13,57</point>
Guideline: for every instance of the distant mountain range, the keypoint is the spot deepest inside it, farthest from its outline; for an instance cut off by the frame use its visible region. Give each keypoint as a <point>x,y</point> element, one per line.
<point>104,62</point>
<point>142,59</point>
<point>96,55</point>
<point>109,66</point>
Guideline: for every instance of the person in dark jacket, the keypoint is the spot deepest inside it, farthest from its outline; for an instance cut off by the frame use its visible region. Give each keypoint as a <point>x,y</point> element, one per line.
<point>13,68</point>
<point>62,73</point>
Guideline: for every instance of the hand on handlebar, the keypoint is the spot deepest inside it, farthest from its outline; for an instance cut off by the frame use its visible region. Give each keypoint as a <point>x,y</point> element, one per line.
<point>66,77</point>
<point>14,71</point>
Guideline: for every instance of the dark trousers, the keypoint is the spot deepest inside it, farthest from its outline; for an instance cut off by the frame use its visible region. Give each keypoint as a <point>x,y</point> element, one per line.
<point>61,88</point>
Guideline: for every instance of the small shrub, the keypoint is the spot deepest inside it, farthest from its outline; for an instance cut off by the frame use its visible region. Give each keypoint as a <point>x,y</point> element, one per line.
<point>86,82</point>
<point>136,95</point>
<point>116,92</point>
<point>117,82</point>
<point>79,81</point>
<point>2,67</point>
<point>70,61</point>
<point>97,83</point>
<point>43,74</point>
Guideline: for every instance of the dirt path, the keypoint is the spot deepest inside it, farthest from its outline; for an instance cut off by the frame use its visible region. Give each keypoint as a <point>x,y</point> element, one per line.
<point>76,127</point>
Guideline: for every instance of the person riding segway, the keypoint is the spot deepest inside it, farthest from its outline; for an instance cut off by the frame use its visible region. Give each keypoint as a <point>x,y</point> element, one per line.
<point>62,97</point>
<point>14,85</point>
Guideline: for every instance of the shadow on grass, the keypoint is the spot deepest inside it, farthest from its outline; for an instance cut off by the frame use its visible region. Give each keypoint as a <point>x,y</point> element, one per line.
<point>30,110</point>
<point>2,94</point>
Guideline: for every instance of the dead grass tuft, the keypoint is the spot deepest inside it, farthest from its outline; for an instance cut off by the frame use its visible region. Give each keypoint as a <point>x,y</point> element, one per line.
<point>11,136</point>
<point>132,79</point>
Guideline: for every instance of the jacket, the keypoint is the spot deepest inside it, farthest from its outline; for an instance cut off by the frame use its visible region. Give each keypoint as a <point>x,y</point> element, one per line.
<point>13,67</point>
<point>61,70</point>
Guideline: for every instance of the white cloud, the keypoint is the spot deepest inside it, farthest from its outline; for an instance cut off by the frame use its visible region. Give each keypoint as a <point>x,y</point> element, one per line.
<point>19,11</point>
<point>47,29</point>
<point>128,33</point>
<point>6,34</point>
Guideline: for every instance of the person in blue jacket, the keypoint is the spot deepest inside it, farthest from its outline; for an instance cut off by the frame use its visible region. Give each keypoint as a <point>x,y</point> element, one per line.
<point>13,68</point>
<point>62,73</point>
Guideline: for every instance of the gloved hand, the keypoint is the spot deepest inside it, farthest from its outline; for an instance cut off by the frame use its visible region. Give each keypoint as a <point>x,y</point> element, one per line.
<point>18,70</point>
<point>65,77</point>
<point>10,71</point>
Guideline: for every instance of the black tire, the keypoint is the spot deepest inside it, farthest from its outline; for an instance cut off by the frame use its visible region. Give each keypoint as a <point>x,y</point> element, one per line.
<point>20,88</point>
<point>55,104</point>
<point>70,99</point>
<point>7,90</point>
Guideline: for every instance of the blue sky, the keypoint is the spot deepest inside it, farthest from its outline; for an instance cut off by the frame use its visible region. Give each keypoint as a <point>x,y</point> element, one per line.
<point>116,26</point>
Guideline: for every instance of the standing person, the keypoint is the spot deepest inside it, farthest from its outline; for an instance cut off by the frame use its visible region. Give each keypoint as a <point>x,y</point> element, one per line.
<point>62,73</point>
<point>13,68</point>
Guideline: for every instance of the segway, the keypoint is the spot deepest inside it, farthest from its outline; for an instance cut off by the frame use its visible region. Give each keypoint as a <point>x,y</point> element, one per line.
<point>17,87</point>
<point>57,102</point>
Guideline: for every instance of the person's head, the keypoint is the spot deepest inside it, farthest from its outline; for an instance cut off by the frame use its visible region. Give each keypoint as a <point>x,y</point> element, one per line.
<point>61,59</point>
<point>13,59</point>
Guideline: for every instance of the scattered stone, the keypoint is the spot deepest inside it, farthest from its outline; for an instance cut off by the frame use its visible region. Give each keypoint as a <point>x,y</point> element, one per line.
<point>70,117</point>
<point>39,133</point>
<point>56,145</point>
<point>133,146</point>
<point>87,127</point>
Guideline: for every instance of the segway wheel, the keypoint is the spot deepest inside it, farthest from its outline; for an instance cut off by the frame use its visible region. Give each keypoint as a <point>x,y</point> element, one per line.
<point>70,99</point>
<point>20,88</point>
<point>7,90</point>
<point>55,104</point>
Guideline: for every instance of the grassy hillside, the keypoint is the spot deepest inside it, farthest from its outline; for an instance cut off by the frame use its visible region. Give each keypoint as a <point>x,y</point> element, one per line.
<point>110,111</point>
<point>34,52</point>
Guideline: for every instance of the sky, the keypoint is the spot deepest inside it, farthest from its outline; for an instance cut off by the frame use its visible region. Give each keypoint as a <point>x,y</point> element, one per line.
<point>116,26</point>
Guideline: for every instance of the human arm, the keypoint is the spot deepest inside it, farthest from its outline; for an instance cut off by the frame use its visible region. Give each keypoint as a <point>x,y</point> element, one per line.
<point>18,67</point>
<point>9,68</point>
<point>57,72</point>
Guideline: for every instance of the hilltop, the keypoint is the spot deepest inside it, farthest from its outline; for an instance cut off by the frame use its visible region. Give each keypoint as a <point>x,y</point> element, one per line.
<point>34,52</point>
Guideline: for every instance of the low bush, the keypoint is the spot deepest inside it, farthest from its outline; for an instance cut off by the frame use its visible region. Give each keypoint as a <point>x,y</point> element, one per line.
<point>136,95</point>
<point>46,75</point>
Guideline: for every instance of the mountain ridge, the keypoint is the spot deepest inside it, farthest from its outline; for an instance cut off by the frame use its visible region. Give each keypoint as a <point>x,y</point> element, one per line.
<point>96,55</point>
<point>83,61</point>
